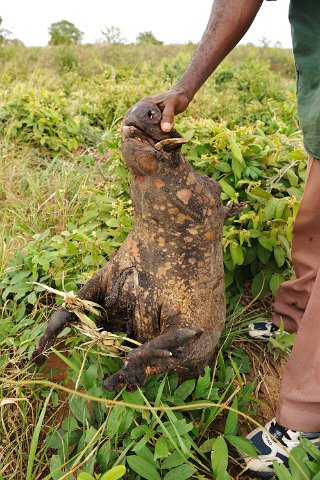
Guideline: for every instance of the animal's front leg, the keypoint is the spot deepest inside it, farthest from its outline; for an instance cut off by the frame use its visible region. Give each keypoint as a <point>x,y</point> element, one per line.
<point>93,291</point>
<point>161,354</point>
<point>103,288</point>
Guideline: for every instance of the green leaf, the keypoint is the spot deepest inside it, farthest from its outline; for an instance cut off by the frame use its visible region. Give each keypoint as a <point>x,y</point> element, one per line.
<point>133,397</point>
<point>114,474</point>
<point>207,445</point>
<point>54,440</point>
<point>275,282</point>
<point>91,433</point>
<point>254,233</point>
<point>260,284</point>
<point>89,377</point>
<point>266,242</point>
<point>55,467</point>
<point>270,208</point>
<point>285,244</point>
<point>114,420</point>
<point>279,255</point>
<point>19,276</point>
<point>113,222</point>
<point>161,449</point>
<point>281,471</point>
<point>148,456</point>
<point>263,254</point>
<point>142,467</point>
<point>219,459</point>
<point>236,253</point>
<point>203,384</point>
<point>242,360</point>
<point>79,409</point>
<point>69,424</point>
<point>237,168</point>
<point>231,426</point>
<point>189,134</point>
<point>236,152</point>
<point>280,208</point>
<point>32,298</point>
<point>259,193</point>
<point>20,313</point>
<point>138,431</point>
<point>172,461</point>
<point>149,434</point>
<point>301,457</point>
<point>292,177</point>
<point>183,472</point>
<point>295,192</point>
<point>228,278</point>
<point>227,189</point>
<point>185,389</point>
<point>103,455</point>
<point>311,448</point>
<point>223,167</point>
<point>85,476</point>
<point>242,445</point>
<point>176,427</point>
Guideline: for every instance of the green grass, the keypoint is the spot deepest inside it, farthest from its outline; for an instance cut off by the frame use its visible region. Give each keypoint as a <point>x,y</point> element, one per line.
<point>66,208</point>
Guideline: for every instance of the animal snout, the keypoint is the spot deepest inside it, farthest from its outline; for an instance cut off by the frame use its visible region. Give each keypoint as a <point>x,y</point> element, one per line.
<point>143,114</point>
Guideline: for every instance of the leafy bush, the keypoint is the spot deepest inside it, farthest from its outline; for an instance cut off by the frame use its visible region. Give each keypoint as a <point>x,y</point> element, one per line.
<point>42,120</point>
<point>252,167</point>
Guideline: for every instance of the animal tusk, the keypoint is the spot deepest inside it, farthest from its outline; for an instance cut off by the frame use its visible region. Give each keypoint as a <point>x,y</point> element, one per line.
<point>170,141</point>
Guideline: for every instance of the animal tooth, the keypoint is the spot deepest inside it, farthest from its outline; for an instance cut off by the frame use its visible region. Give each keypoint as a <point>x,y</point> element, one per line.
<point>170,141</point>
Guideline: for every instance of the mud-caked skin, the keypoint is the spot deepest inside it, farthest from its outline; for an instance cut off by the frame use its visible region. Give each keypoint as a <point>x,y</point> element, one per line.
<point>165,285</point>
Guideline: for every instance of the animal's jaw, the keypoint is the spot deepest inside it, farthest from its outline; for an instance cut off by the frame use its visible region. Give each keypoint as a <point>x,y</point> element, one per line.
<point>136,134</point>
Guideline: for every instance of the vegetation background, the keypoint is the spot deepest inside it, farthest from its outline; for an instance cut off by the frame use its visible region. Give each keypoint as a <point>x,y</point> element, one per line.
<point>66,208</point>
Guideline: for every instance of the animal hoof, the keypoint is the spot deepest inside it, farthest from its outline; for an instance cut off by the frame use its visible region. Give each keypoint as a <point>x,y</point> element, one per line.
<point>38,358</point>
<point>129,377</point>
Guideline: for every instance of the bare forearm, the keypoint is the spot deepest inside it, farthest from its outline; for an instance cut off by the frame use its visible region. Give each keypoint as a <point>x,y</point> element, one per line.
<point>228,22</point>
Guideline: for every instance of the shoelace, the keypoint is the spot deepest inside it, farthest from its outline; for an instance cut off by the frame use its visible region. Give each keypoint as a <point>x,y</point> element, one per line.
<point>274,328</point>
<point>278,431</point>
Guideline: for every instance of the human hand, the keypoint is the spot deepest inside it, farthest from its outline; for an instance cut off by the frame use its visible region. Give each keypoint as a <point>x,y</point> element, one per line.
<point>171,102</point>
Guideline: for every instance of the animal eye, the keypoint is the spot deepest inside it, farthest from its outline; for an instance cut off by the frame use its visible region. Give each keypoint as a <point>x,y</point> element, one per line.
<point>151,114</point>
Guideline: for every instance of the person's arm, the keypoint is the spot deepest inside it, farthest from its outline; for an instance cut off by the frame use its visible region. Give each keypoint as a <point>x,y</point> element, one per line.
<point>229,20</point>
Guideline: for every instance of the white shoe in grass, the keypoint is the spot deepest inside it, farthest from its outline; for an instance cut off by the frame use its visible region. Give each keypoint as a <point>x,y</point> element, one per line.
<point>263,330</point>
<point>270,450</point>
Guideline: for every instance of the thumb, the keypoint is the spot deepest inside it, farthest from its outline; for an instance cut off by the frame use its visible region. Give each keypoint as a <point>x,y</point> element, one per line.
<point>167,117</point>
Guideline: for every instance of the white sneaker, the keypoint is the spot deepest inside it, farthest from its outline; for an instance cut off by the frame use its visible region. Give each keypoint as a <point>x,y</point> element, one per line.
<point>272,451</point>
<point>263,330</point>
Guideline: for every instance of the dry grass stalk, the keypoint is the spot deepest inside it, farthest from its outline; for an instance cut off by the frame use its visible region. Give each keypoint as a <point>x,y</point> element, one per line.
<point>76,305</point>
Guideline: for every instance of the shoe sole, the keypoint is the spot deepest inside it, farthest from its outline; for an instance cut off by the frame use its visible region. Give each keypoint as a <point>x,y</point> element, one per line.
<point>260,474</point>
